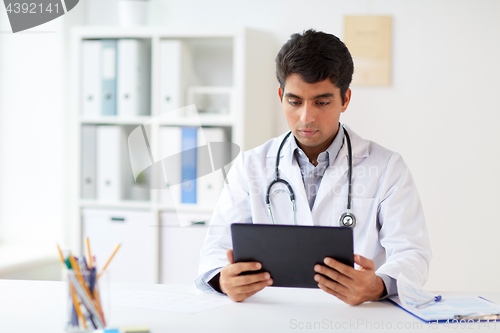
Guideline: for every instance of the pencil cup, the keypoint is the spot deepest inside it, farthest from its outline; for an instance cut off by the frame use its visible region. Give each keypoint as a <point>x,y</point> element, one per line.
<point>86,301</point>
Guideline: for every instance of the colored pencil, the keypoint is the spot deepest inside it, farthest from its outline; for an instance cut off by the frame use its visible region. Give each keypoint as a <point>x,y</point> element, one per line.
<point>89,253</point>
<point>109,260</point>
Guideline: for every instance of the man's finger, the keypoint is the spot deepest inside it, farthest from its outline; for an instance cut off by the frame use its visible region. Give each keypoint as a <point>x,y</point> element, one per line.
<point>229,255</point>
<point>244,296</point>
<point>342,268</point>
<point>338,287</point>
<point>251,278</point>
<point>364,262</point>
<point>252,288</point>
<point>240,267</point>
<point>333,274</point>
<point>333,292</point>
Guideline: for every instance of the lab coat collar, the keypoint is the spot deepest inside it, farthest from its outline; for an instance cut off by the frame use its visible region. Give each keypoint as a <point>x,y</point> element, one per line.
<point>332,150</point>
<point>290,170</point>
<point>337,172</point>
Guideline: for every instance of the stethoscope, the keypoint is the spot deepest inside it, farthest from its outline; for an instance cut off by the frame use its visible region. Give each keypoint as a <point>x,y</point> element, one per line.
<point>345,220</point>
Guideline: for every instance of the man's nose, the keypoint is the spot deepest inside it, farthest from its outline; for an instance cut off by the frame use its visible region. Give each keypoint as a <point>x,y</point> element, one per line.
<point>308,113</point>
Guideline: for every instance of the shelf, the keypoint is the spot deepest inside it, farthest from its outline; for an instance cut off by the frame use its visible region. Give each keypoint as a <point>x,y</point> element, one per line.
<point>114,120</point>
<point>186,209</point>
<point>98,32</point>
<point>236,62</point>
<point>203,120</point>
<point>129,204</point>
<point>117,204</point>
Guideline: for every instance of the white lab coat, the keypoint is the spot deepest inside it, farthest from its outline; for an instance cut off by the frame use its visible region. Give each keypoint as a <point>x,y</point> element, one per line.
<point>390,228</point>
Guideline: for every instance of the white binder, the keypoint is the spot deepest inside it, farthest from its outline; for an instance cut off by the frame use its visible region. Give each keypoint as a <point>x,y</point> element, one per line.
<point>110,158</point>
<point>133,77</point>
<point>91,78</point>
<point>88,162</point>
<point>175,74</point>
<point>209,186</point>
<point>171,144</point>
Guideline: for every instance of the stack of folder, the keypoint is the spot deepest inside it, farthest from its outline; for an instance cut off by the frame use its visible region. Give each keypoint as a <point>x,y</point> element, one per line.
<point>116,75</point>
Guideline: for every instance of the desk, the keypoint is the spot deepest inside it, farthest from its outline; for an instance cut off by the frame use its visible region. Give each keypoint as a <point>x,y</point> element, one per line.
<point>38,306</point>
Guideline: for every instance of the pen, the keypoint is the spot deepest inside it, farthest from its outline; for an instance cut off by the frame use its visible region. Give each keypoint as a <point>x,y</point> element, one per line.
<point>432,301</point>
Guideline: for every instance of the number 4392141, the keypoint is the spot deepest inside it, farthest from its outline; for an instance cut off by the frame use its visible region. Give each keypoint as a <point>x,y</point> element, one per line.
<point>31,8</point>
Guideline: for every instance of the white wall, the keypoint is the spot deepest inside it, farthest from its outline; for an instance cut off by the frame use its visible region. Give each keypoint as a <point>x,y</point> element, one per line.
<point>440,113</point>
<point>34,122</point>
<point>31,133</point>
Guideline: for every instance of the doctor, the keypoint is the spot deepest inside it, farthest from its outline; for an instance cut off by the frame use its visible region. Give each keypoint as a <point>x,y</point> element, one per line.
<point>314,71</point>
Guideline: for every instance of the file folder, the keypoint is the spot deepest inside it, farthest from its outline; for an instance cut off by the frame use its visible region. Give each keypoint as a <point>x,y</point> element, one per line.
<point>189,161</point>
<point>170,145</point>
<point>133,77</point>
<point>175,74</point>
<point>109,158</point>
<point>108,67</point>
<point>88,162</point>
<point>91,78</point>
<point>210,181</point>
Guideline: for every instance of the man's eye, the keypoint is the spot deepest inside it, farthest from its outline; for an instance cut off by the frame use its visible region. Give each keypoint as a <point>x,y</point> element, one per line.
<point>323,103</point>
<point>294,103</point>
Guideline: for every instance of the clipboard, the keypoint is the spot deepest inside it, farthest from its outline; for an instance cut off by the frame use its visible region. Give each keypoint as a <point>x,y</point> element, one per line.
<point>444,309</point>
<point>454,303</point>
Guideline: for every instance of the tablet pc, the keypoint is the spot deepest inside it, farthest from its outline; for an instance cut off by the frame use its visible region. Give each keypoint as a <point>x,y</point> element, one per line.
<point>289,253</point>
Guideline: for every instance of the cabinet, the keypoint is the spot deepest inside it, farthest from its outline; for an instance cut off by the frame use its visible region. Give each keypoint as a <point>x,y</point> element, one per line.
<point>229,75</point>
<point>130,228</point>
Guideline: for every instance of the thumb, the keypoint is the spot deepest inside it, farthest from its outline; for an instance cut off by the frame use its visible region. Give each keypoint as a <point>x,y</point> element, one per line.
<point>364,262</point>
<point>229,255</point>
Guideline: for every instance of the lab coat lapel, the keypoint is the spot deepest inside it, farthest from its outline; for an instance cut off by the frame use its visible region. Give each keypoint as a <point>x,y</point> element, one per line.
<point>290,171</point>
<point>335,180</point>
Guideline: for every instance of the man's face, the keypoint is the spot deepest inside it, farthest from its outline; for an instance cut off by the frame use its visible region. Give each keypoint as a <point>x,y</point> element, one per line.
<point>312,111</point>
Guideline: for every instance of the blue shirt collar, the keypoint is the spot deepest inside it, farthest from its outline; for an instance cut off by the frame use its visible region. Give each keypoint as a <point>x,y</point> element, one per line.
<point>330,153</point>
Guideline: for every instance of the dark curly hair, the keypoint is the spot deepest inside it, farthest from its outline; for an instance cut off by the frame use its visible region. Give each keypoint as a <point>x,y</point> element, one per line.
<point>315,56</point>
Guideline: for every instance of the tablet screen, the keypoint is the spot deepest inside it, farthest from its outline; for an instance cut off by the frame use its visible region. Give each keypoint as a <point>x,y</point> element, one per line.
<point>289,253</point>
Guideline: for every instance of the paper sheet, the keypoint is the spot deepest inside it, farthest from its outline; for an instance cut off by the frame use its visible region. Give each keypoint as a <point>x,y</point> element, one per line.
<point>410,296</point>
<point>369,39</point>
<point>164,301</point>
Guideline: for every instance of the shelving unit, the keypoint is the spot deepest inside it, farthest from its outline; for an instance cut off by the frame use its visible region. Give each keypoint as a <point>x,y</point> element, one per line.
<point>241,60</point>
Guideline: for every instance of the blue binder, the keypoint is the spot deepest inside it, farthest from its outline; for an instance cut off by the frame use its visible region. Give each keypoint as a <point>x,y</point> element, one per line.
<point>109,69</point>
<point>188,167</point>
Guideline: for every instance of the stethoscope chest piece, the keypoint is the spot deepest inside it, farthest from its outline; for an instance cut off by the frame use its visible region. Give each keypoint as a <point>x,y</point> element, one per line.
<point>347,220</point>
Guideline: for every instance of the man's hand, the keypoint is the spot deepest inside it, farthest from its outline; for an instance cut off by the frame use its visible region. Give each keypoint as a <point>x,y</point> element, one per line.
<point>349,285</point>
<point>239,288</point>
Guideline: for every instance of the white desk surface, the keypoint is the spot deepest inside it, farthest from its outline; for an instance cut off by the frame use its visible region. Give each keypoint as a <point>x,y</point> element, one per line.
<point>39,306</point>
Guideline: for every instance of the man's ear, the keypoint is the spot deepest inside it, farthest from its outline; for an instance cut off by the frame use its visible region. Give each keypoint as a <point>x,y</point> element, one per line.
<point>347,99</point>
<point>280,94</point>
